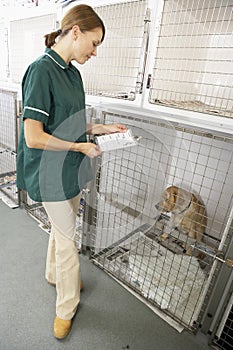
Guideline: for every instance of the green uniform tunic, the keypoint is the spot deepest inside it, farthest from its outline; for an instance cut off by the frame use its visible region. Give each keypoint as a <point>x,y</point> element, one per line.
<point>52,92</point>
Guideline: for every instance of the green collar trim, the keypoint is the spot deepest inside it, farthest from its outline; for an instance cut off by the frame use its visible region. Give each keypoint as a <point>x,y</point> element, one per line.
<point>56,58</point>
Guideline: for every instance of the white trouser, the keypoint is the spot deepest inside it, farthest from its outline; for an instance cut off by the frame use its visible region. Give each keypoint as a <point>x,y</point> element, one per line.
<point>62,265</point>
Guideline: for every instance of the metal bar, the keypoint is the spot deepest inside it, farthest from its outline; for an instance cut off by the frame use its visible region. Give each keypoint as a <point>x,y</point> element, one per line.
<point>145,43</point>
<point>224,318</point>
<point>222,301</point>
<point>211,253</point>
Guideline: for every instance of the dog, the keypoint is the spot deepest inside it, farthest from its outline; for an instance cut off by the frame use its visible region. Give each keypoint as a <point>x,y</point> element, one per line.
<point>188,215</point>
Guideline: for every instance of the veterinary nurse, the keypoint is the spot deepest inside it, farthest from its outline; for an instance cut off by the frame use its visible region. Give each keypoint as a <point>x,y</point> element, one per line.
<point>53,163</point>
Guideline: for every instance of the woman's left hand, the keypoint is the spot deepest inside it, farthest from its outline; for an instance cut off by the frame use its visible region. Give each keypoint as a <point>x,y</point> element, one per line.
<point>112,128</point>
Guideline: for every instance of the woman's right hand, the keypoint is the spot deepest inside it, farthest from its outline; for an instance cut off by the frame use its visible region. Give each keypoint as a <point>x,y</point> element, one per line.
<point>89,149</point>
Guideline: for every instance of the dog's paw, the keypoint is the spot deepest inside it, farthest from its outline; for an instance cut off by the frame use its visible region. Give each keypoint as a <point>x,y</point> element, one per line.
<point>163,237</point>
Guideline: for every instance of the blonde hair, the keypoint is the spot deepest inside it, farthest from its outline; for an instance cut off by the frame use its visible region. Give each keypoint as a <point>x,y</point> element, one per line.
<point>82,15</point>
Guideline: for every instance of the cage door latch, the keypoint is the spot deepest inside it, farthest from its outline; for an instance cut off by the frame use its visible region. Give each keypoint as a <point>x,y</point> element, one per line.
<point>212,254</point>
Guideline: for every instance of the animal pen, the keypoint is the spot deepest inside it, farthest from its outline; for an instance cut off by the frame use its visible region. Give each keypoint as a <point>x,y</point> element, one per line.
<point>8,146</point>
<point>164,71</point>
<point>126,225</point>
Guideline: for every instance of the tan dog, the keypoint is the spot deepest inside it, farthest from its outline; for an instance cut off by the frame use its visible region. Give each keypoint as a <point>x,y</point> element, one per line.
<point>188,214</point>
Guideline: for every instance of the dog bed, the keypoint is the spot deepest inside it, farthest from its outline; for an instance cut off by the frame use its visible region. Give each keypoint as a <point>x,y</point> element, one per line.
<point>173,281</point>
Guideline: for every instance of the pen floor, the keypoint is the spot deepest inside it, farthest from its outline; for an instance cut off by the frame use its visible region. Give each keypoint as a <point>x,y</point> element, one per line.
<point>109,317</point>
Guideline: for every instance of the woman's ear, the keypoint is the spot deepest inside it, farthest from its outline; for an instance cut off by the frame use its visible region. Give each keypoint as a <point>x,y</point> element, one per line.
<point>75,32</point>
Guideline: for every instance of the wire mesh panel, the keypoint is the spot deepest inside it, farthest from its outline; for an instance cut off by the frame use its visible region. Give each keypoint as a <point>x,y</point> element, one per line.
<point>193,66</point>
<point>38,213</point>
<point>4,57</point>
<point>8,120</point>
<point>36,210</point>
<point>27,42</point>
<point>118,70</point>
<point>225,340</point>
<point>142,242</point>
<point>8,143</point>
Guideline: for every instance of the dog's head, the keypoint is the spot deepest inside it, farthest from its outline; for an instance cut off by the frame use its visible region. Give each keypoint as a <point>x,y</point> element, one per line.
<point>174,199</point>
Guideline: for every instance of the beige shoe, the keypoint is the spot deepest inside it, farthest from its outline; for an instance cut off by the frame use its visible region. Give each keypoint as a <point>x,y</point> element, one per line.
<point>61,328</point>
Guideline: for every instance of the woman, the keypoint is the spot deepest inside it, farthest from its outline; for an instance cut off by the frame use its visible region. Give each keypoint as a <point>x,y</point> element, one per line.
<point>53,162</point>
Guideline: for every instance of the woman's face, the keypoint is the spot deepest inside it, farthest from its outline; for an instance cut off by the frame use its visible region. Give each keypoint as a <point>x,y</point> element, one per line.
<point>86,45</point>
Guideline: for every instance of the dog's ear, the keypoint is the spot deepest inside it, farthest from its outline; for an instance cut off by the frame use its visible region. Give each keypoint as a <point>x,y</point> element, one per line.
<point>183,199</point>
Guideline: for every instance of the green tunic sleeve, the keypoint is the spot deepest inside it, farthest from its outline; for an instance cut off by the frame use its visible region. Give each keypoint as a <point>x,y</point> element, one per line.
<point>36,92</point>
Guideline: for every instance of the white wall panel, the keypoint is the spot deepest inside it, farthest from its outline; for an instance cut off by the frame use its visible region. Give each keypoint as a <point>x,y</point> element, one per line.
<point>27,42</point>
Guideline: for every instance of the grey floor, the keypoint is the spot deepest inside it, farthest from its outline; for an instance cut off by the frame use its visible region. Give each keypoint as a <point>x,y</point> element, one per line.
<point>109,317</point>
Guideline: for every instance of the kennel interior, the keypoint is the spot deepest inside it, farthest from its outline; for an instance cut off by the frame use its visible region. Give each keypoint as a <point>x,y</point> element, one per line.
<point>193,65</point>
<point>179,51</point>
<point>8,146</point>
<point>120,68</point>
<point>126,224</point>
<point>185,65</point>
